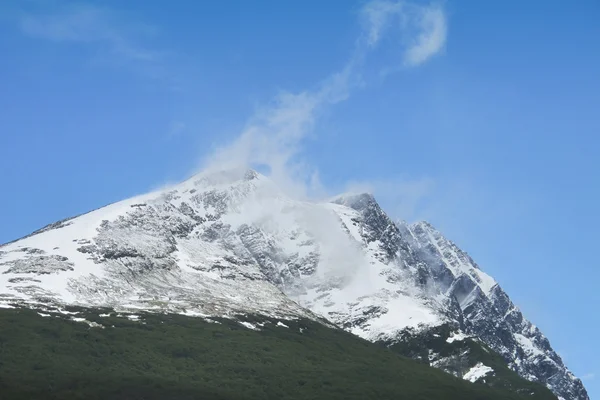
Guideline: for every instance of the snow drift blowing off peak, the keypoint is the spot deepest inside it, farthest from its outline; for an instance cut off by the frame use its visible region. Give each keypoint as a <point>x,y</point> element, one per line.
<point>229,242</point>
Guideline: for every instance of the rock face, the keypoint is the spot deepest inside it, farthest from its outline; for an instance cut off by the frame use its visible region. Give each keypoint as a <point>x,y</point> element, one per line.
<point>230,242</point>
<point>490,316</point>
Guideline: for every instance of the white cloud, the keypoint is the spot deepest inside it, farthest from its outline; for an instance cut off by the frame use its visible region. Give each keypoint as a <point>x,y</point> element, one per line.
<point>422,29</point>
<point>378,16</point>
<point>115,40</point>
<point>431,39</point>
<point>405,198</point>
<point>274,136</point>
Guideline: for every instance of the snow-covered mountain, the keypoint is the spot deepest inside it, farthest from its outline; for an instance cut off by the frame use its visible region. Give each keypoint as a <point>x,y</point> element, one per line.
<point>231,242</point>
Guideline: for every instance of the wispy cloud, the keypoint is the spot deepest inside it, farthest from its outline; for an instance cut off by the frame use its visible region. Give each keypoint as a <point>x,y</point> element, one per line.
<point>403,197</point>
<point>423,29</point>
<point>431,40</point>
<point>112,39</point>
<point>378,16</point>
<point>274,136</point>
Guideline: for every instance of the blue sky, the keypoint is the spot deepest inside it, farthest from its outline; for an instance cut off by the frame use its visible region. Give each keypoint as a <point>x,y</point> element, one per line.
<point>489,128</point>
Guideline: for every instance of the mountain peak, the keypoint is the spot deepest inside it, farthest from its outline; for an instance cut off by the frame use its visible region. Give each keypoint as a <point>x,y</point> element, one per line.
<point>357,201</point>
<point>223,176</point>
<point>228,242</point>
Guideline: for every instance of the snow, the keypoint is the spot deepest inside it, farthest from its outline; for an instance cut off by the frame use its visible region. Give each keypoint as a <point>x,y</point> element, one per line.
<point>279,323</point>
<point>249,325</point>
<point>477,372</point>
<point>404,312</point>
<point>5,306</point>
<point>193,313</point>
<point>64,241</point>
<point>366,284</point>
<point>346,214</point>
<point>60,310</point>
<point>486,282</point>
<point>528,345</point>
<point>432,355</point>
<point>90,323</point>
<point>456,337</point>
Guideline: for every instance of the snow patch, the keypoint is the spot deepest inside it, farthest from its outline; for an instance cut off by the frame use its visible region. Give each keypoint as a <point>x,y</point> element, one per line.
<point>528,346</point>
<point>192,313</point>
<point>60,310</point>
<point>249,325</point>
<point>477,372</point>
<point>90,323</point>
<point>457,337</point>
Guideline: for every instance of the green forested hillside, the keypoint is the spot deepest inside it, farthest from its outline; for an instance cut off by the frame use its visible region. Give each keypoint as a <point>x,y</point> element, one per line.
<point>178,357</point>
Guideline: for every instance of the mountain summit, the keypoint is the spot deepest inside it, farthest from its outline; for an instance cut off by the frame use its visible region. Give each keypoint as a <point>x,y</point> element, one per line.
<point>231,242</point>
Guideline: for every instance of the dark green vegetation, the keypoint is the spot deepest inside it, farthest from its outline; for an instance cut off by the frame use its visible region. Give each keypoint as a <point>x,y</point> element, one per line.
<point>459,356</point>
<point>178,357</point>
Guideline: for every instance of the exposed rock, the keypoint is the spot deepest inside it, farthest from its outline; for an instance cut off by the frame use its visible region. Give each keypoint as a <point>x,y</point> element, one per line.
<point>38,265</point>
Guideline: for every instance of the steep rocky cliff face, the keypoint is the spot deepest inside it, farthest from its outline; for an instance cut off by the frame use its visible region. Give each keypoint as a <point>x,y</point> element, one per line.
<point>490,316</point>
<point>230,242</point>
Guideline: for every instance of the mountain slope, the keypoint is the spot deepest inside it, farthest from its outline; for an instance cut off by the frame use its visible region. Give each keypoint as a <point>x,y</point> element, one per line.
<point>155,251</point>
<point>166,356</point>
<point>231,242</point>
